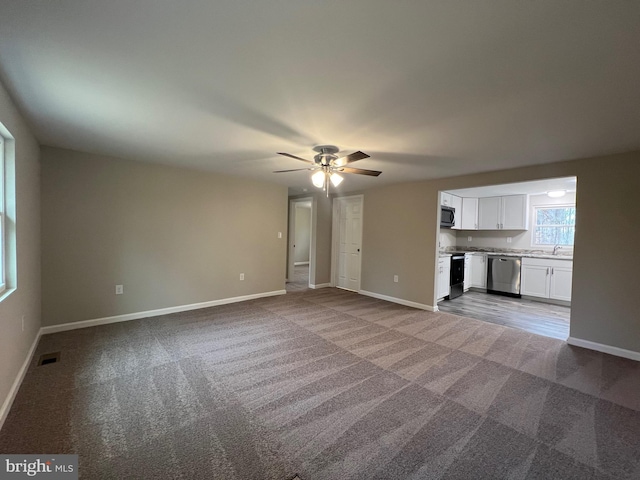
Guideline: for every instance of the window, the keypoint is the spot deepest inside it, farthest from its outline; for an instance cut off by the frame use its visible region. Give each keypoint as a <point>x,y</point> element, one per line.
<point>555,225</point>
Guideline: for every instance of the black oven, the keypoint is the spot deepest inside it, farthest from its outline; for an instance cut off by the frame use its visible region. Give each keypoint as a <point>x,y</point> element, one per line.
<point>457,275</point>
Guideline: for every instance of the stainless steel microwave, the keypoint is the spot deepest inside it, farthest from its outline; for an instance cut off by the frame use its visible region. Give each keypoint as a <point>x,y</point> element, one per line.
<point>447,216</point>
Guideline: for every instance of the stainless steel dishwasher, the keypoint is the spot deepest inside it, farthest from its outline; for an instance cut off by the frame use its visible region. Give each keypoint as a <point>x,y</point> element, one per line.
<point>503,275</point>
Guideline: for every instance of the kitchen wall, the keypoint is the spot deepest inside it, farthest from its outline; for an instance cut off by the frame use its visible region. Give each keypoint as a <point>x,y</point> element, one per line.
<point>171,236</point>
<point>400,237</point>
<point>22,301</point>
<point>448,238</point>
<point>519,239</point>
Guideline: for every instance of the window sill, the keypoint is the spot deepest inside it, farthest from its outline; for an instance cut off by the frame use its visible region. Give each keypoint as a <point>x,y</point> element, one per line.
<point>5,293</point>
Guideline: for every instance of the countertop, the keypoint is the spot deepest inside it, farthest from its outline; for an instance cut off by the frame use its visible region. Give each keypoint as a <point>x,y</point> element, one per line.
<point>511,254</point>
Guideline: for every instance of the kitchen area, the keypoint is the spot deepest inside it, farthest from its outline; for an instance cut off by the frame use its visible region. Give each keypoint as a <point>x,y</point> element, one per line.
<point>506,254</point>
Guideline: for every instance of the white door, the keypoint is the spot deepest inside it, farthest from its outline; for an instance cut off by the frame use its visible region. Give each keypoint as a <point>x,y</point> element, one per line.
<point>349,213</point>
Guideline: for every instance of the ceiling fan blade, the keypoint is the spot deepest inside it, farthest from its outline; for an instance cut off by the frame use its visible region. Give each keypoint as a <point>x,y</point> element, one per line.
<point>350,158</point>
<point>359,171</point>
<point>294,170</point>
<point>297,158</point>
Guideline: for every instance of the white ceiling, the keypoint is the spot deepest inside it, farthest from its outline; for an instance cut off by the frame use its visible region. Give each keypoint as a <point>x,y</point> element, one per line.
<point>427,88</point>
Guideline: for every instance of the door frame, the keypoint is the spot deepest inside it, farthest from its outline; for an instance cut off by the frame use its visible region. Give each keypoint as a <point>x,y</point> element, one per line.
<point>335,239</point>
<point>292,237</point>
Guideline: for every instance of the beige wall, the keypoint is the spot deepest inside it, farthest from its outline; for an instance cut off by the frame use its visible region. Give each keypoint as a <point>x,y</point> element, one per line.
<point>400,237</point>
<point>171,236</point>
<point>25,300</point>
<point>323,212</point>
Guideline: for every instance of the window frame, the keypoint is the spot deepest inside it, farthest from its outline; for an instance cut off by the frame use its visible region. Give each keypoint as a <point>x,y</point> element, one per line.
<point>535,224</point>
<point>3,214</point>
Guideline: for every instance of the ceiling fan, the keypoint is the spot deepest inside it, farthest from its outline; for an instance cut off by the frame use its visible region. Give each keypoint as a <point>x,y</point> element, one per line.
<point>328,166</point>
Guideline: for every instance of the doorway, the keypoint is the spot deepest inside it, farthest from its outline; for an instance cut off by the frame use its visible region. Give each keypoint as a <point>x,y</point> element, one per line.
<point>347,242</point>
<point>300,255</point>
<point>533,222</point>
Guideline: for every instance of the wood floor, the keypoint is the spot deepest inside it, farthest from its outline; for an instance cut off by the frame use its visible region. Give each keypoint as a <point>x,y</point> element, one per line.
<point>536,317</point>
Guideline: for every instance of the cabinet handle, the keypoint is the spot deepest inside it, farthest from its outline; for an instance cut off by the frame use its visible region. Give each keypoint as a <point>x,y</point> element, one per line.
<point>547,270</point>
<point>551,270</point>
<point>498,226</point>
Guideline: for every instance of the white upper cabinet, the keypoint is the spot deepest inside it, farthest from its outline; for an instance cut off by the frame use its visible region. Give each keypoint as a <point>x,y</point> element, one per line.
<point>445,199</point>
<point>489,213</point>
<point>469,217</point>
<point>456,203</point>
<point>514,212</point>
<point>503,213</point>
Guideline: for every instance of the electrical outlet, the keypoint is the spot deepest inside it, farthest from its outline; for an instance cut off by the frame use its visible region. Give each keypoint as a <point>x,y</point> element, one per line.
<point>279,234</point>
<point>509,239</point>
<point>119,289</point>
<point>242,276</point>
<point>469,238</point>
<point>395,278</point>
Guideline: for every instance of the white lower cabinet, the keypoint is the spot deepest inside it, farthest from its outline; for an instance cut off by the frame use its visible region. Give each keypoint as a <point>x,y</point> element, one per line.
<point>444,274</point>
<point>478,270</point>
<point>467,271</point>
<point>547,278</point>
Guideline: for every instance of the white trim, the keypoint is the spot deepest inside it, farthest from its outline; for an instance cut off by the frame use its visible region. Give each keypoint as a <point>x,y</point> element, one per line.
<point>154,313</point>
<point>600,347</point>
<point>8,402</point>
<point>401,301</point>
<point>300,263</point>
<point>320,285</point>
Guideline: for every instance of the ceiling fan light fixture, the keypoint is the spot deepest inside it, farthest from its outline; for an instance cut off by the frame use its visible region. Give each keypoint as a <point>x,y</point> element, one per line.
<point>336,179</point>
<point>318,179</point>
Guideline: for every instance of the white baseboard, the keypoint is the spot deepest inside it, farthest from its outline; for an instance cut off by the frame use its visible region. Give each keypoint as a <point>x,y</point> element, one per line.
<point>320,285</point>
<point>600,347</point>
<point>6,406</point>
<point>154,313</point>
<point>296,264</point>
<point>401,301</point>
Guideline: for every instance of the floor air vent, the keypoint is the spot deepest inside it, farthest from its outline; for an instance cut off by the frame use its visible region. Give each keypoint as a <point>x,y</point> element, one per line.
<point>48,358</point>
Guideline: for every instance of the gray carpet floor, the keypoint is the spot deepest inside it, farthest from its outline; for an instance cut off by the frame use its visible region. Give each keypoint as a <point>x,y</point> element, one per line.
<point>327,384</point>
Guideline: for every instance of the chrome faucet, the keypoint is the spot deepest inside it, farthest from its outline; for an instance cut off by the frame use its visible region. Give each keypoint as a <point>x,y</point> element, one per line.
<point>555,249</point>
